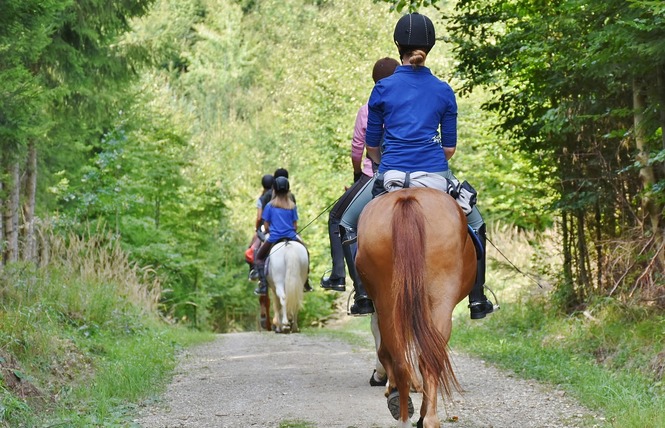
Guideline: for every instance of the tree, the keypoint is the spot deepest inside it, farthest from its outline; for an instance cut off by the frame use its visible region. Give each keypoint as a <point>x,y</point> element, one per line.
<point>61,75</point>
<point>579,88</point>
<point>24,35</point>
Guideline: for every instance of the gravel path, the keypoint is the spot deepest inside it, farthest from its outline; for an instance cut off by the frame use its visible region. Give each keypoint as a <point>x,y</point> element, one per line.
<point>262,379</point>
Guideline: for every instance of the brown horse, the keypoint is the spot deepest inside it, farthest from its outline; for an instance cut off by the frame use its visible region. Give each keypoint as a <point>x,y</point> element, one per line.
<point>417,261</point>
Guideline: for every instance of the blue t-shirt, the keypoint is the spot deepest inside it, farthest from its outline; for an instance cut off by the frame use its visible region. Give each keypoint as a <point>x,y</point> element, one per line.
<point>281,222</point>
<point>412,106</point>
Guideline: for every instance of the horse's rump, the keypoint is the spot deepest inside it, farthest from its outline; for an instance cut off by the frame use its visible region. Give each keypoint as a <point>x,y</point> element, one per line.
<point>289,265</point>
<point>446,245</point>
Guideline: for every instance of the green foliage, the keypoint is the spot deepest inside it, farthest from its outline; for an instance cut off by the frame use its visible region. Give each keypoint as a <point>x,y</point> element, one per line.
<point>85,331</point>
<point>608,357</point>
<point>563,81</point>
<point>24,35</point>
<point>227,91</point>
<point>239,90</point>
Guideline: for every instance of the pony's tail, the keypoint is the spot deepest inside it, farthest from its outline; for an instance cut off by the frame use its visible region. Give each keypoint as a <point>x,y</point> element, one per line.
<point>293,284</point>
<point>416,332</point>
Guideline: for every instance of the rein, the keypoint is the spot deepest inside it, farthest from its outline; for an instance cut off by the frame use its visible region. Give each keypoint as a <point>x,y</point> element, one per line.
<point>513,265</point>
<point>326,209</point>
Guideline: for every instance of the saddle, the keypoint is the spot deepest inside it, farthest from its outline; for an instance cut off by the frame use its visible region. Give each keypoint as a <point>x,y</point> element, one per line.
<point>463,193</point>
<point>267,265</point>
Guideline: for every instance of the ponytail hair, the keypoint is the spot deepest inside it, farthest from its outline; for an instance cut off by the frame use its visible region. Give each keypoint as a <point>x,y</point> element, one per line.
<point>283,200</point>
<point>417,58</point>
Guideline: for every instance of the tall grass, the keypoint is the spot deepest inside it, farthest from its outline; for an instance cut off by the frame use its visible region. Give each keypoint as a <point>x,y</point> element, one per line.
<point>97,257</point>
<point>83,332</point>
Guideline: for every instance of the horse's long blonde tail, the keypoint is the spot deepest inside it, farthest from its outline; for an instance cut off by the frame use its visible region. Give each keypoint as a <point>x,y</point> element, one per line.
<point>293,283</point>
<point>416,332</point>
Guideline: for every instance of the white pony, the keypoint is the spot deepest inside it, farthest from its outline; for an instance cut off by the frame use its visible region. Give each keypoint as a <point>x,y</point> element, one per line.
<point>287,274</point>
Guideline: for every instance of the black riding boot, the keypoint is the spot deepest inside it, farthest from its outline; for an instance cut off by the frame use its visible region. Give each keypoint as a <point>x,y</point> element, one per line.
<point>478,303</point>
<point>362,303</point>
<point>262,289</point>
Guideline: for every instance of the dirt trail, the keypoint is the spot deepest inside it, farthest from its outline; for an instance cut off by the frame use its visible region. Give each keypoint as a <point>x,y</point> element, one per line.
<point>264,380</point>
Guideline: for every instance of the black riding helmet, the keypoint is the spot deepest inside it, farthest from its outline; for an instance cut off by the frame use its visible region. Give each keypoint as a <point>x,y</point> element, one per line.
<point>414,31</point>
<point>266,181</point>
<point>281,172</point>
<point>281,185</point>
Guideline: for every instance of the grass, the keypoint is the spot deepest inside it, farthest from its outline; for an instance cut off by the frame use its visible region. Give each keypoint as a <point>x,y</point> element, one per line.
<point>614,373</point>
<point>296,424</point>
<point>80,345</point>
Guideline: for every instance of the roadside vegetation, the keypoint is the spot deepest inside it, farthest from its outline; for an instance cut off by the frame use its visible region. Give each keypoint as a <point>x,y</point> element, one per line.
<point>609,354</point>
<point>80,341</point>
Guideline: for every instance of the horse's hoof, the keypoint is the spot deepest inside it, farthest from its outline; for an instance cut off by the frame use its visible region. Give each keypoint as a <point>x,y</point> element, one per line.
<point>420,423</point>
<point>393,405</point>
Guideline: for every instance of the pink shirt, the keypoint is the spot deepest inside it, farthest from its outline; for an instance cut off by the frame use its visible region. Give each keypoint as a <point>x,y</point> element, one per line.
<point>358,141</point>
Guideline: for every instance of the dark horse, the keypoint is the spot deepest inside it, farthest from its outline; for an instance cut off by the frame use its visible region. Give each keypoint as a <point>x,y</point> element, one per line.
<point>417,261</point>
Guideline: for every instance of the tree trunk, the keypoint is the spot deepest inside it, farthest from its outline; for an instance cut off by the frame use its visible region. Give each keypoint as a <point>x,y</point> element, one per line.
<point>582,257</point>
<point>2,228</point>
<point>29,204</point>
<point>599,247</point>
<point>10,214</point>
<point>566,289</point>
<point>649,205</point>
<point>660,77</point>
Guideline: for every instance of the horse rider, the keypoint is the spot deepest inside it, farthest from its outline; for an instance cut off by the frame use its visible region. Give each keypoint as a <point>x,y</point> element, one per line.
<point>266,184</point>
<point>280,219</point>
<point>406,112</point>
<point>363,170</point>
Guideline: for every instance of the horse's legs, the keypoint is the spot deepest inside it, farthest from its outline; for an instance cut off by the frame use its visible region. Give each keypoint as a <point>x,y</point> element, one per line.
<point>281,296</point>
<point>376,332</point>
<point>428,416</point>
<point>294,323</point>
<point>277,310</point>
<point>403,383</point>
<point>264,303</point>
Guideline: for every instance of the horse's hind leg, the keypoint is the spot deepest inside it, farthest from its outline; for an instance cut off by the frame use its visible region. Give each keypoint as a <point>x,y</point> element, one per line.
<point>294,323</point>
<point>386,361</point>
<point>279,305</point>
<point>379,368</point>
<point>428,416</point>
<point>276,309</point>
<point>399,400</point>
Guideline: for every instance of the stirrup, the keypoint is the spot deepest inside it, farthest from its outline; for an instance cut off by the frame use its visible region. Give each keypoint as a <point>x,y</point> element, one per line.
<point>261,290</point>
<point>357,310</point>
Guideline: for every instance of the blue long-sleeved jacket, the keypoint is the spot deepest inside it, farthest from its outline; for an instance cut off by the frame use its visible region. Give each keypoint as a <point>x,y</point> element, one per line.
<point>418,112</point>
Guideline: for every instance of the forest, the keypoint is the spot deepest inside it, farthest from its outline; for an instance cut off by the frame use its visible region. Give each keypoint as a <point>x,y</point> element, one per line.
<point>134,135</point>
